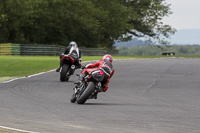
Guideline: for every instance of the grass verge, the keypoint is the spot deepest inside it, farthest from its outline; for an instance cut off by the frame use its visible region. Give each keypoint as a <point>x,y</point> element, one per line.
<point>20,66</point>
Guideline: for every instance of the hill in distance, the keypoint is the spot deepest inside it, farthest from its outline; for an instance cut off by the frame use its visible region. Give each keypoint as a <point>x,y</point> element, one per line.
<point>181,37</point>
<point>186,37</point>
<point>134,42</point>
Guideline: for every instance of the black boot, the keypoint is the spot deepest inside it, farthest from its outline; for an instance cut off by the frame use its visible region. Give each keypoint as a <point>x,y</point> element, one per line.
<point>61,63</point>
<point>95,95</point>
<point>58,70</point>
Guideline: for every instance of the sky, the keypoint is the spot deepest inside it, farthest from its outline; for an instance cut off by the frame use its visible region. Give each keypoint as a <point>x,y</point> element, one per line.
<point>186,20</point>
<point>185,14</point>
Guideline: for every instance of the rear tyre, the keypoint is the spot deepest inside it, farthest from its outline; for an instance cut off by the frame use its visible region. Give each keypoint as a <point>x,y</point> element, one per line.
<point>88,91</point>
<point>63,73</point>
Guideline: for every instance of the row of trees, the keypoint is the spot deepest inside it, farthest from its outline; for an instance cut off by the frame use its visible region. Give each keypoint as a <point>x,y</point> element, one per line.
<point>92,23</point>
<point>193,50</point>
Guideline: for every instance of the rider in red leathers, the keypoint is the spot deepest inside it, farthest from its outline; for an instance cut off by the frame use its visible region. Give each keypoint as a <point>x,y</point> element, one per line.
<point>106,66</point>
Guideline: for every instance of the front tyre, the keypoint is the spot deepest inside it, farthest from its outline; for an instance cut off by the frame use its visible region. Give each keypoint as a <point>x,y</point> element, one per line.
<point>73,99</point>
<point>63,73</point>
<point>88,92</point>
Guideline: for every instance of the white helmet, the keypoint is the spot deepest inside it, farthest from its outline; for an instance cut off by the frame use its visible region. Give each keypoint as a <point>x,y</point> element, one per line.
<point>73,44</point>
<point>108,58</point>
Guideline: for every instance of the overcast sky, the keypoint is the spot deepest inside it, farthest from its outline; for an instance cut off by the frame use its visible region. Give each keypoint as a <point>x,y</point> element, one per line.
<point>186,14</point>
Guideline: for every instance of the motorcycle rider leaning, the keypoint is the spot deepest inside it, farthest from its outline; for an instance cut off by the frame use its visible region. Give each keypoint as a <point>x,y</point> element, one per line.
<point>106,66</point>
<point>73,51</point>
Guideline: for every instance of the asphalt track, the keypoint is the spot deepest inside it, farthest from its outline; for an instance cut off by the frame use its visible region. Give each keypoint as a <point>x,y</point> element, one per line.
<point>144,96</point>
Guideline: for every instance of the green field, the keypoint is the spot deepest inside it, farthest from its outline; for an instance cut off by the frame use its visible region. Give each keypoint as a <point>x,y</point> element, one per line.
<point>20,66</point>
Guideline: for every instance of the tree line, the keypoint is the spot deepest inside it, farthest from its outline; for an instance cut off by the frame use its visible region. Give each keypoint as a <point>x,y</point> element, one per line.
<point>91,23</point>
<point>193,50</point>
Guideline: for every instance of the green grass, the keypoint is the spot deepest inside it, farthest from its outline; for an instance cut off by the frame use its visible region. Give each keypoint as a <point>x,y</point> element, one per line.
<point>16,66</point>
<point>19,66</point>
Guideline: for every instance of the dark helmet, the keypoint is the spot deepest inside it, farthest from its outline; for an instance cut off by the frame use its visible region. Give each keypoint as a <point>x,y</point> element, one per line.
<point>108,58</point>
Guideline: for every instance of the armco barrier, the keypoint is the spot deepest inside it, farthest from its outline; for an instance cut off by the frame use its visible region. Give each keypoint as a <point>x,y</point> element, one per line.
<point>9,49</point>
<point>27,49</point>
<point>52,50</point>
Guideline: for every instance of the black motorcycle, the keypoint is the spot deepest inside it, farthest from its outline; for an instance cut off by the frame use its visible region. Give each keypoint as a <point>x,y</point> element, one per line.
<point>67,68</point>
<point>88,86</point>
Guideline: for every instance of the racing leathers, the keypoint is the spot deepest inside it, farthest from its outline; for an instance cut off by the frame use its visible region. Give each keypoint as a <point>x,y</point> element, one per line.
<point>108,70</point>
<point>73,52</point>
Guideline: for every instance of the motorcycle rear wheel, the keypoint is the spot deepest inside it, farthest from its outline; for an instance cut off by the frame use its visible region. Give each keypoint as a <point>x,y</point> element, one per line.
<point>88,91</point>
<point>63,73</point>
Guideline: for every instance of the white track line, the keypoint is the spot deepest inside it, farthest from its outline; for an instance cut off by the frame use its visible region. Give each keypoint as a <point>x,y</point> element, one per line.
<point>16,130</point>
<point>27,76</point>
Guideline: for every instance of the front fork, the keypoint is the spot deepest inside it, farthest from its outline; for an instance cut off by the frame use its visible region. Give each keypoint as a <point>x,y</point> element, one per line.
<point>77,89</point>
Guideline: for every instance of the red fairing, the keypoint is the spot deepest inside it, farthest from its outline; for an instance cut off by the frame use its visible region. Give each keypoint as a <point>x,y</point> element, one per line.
<point>95,64</point>
<point>69,57</point>
<point>89,70</point>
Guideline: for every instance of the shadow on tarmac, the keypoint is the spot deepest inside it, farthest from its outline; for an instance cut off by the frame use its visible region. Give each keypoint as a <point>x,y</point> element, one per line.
<point>115,104</point>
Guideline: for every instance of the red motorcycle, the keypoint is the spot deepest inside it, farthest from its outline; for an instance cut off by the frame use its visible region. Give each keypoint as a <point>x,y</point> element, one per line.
<point>67,68</point>
<point>88,86</point>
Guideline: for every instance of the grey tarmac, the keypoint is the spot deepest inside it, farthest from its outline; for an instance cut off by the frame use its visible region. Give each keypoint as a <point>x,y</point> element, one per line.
<point>144,96</point>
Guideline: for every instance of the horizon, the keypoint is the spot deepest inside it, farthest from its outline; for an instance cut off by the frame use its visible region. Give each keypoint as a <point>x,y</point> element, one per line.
<point>187,36</point>
<point>181,37</point>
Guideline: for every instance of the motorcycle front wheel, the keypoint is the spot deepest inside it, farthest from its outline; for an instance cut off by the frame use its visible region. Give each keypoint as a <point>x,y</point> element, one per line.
<point>73,99</point>
<point>88,92</point>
